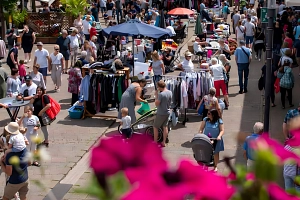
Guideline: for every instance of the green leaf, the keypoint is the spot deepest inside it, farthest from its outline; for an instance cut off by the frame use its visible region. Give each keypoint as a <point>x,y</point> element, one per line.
<point>94,189</point>
<point>265,166</point>
<point>75,7</point>
<point>119,185</point>
<point>241,172</point>
<point>263,195</point>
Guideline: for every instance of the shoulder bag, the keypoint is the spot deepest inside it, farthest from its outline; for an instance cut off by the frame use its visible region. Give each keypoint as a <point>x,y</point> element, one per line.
<point>242,31</point>
<point>246,54</point>
<point>54,109</point>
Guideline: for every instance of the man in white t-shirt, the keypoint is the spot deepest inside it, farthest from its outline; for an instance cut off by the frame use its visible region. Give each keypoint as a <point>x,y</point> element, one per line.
<point>197,47</point>
<point>250,31</point>
<point>28,89</point>
<point>41,57</point>
<point>235,20</point>
<point>86,27</point>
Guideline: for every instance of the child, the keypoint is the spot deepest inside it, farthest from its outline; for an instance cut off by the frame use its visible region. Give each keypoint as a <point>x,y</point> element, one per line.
<point>204,29</point>
<point>17,141</point>
<point>258,129</point>
<point>22,70</point>
<point>126,123</point>
<point>105,16</point>
<point>93,30</point>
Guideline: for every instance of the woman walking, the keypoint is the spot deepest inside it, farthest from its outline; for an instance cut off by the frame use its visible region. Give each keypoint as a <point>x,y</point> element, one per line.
<point>240,32</point>
<point>78,25</point>
<point>28,39</point>
<point>287,82</point>
<point>259,44</point>
<point>226,63</point>
<point>213,127</point>
<point>74,81</point>
<point>41,104</point>
<point>158,68</point>
<point>56,65</point>
<point>37,77</point>
<point>210,102</point>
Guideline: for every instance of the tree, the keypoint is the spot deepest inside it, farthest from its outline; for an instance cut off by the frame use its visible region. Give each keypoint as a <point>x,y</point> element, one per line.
<point>5,6</point>
<point>74,7</point>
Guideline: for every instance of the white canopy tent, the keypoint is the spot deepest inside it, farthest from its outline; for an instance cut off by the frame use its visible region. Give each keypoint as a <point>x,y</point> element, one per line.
<point>292,3</point>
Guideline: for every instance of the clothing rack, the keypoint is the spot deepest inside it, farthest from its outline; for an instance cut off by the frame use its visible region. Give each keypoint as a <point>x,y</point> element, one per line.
<point>100,70</point>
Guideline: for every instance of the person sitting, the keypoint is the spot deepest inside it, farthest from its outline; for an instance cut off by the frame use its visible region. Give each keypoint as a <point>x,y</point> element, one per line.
<point>82,58</point>
<point>187,64</point>
<point>170,28</point>
<point>197,46</point>
<point>168,57</point>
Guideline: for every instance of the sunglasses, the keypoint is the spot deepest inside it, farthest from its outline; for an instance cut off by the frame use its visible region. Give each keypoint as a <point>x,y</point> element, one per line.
<point>56,49</point>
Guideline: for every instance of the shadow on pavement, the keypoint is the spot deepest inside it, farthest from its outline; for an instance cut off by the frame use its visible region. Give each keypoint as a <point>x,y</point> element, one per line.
<point>88,122</point>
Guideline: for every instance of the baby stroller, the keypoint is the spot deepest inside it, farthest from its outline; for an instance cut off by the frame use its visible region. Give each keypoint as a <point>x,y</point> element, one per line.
<point>144,124</point>
<point>203,148</point>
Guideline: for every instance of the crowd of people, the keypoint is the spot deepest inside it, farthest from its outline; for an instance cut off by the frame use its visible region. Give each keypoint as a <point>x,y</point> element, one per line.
<point>82,46</point>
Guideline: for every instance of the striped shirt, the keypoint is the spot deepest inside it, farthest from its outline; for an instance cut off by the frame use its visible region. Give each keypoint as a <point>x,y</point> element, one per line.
<point>289,169</point>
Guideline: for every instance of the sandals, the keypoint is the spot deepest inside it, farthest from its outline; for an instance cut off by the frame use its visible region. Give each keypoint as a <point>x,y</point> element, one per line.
<point>35,163</point>
<point>46,144</point>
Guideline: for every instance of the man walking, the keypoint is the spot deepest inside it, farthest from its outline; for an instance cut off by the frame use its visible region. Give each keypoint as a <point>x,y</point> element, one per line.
<point>118,6</point>
<point>235,20</point>
<point>64,45</point>
<point>162,102</point>
<point>250,31</point>
<point>41,57</point>
<point>243,59</point>
<point>12,58</point>
<point>11,37</point>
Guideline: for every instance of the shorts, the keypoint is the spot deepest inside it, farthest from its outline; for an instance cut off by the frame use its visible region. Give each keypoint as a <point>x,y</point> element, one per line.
<point>27,48</point>
<point>66,54</point>
<point>109,13</point>
<point>249,39</point>
<point>11,189</point>
<point>103,9</point>
<point>127,132</point>
<point>156,78</point>
<point>220,85</point>
<point>43,71</point>
<point>161,121</point>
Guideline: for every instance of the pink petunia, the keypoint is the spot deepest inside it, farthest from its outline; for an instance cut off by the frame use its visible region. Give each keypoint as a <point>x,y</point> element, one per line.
<point>188,179</point>
<point>295,140</point>
<point>135,157</point>
<point>277,193</point>
<point>265,142</point>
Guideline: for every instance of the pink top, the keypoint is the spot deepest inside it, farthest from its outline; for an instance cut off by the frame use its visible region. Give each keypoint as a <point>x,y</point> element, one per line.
<point>22,70</point>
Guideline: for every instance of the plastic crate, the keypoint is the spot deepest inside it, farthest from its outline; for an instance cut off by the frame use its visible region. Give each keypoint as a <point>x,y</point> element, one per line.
<point>75,112</point>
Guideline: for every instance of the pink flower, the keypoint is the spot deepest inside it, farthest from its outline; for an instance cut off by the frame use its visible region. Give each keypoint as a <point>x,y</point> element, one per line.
<point>136,157</point>
<point>265,142</point>
<point>277,193</point>
<point>188,179</point>
<point>295,140</point>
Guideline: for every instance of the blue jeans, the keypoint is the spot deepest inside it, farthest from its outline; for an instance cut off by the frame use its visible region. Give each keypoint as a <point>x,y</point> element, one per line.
<point>249,39</point>
<point>289,183</point>
<point>119,14</point>
<point>156,78</point>
<point>276,48</point>
<point>243,68</point>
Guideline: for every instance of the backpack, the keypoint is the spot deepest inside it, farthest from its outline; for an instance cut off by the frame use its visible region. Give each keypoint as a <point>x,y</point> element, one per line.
<point>54,109</point>
<point>228,10</point>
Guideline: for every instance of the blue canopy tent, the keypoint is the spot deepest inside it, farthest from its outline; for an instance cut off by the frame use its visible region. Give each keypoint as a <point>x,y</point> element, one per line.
<point>135,28</point>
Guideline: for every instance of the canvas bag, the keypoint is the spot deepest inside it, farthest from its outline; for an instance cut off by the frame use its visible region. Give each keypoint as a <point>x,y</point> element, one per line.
<point>54,109</point>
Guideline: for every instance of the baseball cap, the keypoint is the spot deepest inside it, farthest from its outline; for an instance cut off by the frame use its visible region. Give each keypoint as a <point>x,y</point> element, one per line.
<point>28,78</point>
<point>39,44</point>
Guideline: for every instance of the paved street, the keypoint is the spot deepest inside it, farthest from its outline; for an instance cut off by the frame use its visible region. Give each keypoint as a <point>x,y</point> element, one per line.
<point>71,139</point>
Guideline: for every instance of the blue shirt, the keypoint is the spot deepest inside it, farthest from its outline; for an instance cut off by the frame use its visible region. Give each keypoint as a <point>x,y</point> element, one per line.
<point>247,147</point>
<point>17,177</point>
<point>241,55</point>
<point>224,10</point>
<point>291,114</point>
<point>297,31</point>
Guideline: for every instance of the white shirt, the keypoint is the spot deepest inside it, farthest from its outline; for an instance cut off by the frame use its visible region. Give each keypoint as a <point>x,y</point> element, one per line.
<point>74,41</point>
<point>17,141</point>
<point>94,47</point>
<point>249,28</point>
<point>240,32</point>
<point>56,59</point>
<point>187,65</point>
<point>41,57</point>
<point>171,29</point>
<point>283,58</point>
<point>30,123</point>
<point>126,122</point>
<point>204,27</point>
<point>197,47</point>
<point>236,18</point>
<point>38,79</point>
<point>31,89</point>
<point>217,70</point>
<point>226,47</point>
<point>86,27</point>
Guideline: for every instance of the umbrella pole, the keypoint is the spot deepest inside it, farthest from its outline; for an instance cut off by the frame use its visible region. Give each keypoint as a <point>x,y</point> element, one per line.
<point>133,56</point>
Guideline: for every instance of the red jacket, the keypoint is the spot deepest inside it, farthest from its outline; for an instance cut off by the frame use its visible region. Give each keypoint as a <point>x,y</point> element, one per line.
<point>93,32</point>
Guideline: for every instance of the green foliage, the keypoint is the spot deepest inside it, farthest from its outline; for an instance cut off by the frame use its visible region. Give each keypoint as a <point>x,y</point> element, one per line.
<point>118,186</point>
<point>75,7</point>
<point>8,5</point>
<point>19,17</point>
<point>265,167</point>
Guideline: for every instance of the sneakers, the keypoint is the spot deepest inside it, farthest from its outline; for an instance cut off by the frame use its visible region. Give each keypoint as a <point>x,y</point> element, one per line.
<point>256,57</point>
<point>259,59</point>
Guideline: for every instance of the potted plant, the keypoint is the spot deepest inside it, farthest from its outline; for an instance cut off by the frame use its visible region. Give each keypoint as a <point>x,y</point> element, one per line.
<point>74,7</point>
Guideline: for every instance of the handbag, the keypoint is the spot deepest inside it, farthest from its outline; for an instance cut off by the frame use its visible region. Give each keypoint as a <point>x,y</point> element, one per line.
<point>261,83</point>
<point>54,109</point>
<point>46,119</point>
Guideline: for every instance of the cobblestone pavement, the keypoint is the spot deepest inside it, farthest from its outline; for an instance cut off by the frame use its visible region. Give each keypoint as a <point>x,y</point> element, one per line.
<point>71,139</point>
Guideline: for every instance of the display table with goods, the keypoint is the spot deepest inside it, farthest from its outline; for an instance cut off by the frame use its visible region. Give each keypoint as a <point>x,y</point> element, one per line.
<point>13,105</point>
